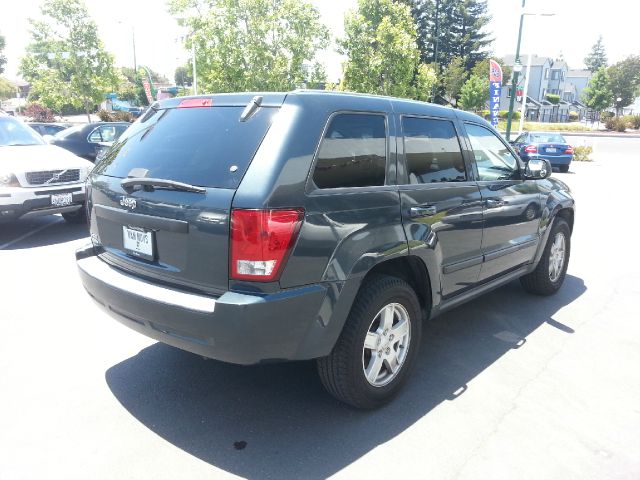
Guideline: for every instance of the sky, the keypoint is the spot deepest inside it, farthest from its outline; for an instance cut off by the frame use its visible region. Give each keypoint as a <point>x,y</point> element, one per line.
<point>571,32</point>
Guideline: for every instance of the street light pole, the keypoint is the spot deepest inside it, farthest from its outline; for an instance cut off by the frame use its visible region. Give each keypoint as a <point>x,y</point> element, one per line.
<point>514,82</point>
<point>133,39</point>
<point>193,61</point>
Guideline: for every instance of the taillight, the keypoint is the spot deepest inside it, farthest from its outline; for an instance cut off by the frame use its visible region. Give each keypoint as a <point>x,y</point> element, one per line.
<point>261,241</point>
<point>195,103</point>
<point>531,149</point>
<point>569,150</point>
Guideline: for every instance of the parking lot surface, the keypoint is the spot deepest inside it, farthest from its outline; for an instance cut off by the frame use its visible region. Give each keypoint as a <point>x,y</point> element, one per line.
<point>507,386</point>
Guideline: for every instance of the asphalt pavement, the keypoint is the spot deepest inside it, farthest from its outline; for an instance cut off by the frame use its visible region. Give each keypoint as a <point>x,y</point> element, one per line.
<point>507,386</point>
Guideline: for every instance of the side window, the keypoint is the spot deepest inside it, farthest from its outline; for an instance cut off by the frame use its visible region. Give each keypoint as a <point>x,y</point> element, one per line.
<point>493,158</point>
<point>432,151</point>
<point>521,138</point>
<point>353,152</point>
<point>95,136</point>
<point>108,133</point>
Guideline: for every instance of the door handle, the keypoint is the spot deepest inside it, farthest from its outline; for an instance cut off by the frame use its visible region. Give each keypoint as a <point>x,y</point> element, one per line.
<point>422,211</point>
<point>493,203</point>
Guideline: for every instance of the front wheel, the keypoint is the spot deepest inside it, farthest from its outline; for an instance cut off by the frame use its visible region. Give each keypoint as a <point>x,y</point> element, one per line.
<point>377,347</point>
<point>549,275</point>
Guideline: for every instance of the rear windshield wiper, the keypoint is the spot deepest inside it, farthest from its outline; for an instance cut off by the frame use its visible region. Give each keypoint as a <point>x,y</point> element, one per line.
<point>161,183</point>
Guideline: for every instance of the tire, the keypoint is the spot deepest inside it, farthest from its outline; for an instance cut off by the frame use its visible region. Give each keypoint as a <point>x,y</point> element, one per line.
<point>563,168</point>
<point>77,216</point>
<point>550,272</point>
<point>343,372</point>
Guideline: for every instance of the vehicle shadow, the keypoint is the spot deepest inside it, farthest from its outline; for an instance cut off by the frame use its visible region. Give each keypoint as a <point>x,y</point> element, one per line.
<point>47,231</point>
<point>276,421</point>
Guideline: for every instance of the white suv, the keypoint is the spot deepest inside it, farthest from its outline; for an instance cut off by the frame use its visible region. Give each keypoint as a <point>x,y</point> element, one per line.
<point>37,178</point>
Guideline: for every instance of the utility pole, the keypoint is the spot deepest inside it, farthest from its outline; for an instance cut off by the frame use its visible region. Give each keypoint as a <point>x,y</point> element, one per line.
<point>516,72</point>
<point>435,50</point>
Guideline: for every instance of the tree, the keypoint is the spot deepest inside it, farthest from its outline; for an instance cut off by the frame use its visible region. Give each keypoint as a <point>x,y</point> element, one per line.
<point>426,82</point>
<point>3,59</point>
<point>597,58</point>
<point>7,89</point>
<point>381,50</point>
<point>624,79</point>
<point>183,75</point>
<point>66,62</point>
<point>598,95</point>
<point>474,93</point>
<point>461,31</point>
<point>245,45</point>
<point>454,77</point>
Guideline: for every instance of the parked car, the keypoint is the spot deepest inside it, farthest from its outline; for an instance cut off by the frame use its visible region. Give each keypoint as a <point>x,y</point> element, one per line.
<point>550,146</point>
<point>315,225</point>
<point>37,178</point>
<point>48,128</point>
<point>88,139</point>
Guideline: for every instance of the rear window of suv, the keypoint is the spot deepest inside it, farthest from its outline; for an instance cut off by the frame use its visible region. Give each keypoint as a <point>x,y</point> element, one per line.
<point>208,147</point>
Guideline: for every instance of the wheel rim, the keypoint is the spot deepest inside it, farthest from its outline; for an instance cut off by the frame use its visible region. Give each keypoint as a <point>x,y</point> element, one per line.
<point>556,257</point>
<point>386,345</point>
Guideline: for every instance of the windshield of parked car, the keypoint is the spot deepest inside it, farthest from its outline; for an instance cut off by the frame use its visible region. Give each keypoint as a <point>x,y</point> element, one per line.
<point>13,132</point>
<point>547,138</point>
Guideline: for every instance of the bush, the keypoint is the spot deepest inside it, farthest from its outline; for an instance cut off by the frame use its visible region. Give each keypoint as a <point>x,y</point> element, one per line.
<point>574,117</point>
<point>581,153</point>
<point>505,113</point>
<point>552,98</point>
<point>39,113</point>
<point>119,116</point>
<point>619,124</point>
<point>605,115</point>
<point>633,121</point>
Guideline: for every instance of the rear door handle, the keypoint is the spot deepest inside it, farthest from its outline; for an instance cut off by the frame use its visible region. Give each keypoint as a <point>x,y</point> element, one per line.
<point>422,211</point>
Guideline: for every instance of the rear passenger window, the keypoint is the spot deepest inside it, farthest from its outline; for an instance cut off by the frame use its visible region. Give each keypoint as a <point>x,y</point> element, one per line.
<point>353,152</point>
<point>432,151</point>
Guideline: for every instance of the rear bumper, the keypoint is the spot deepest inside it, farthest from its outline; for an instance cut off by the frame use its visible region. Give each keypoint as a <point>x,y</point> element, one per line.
<point>235,327</point>
<point>555,160</point>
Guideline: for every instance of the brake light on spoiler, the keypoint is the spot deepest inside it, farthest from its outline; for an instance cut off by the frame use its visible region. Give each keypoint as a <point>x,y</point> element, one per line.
<point>196,103</point>
<point>261,241</point>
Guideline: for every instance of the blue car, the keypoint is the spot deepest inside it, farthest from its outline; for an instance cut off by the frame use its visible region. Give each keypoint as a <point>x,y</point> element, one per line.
<point>550,146</point>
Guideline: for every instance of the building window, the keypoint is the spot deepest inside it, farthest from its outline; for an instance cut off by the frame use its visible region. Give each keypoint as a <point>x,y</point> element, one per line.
<point>554,75</point>
<point>546,73</point>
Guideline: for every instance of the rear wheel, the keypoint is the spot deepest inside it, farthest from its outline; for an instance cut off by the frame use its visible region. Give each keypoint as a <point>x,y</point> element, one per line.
<point>549,275</point>
<point>76,216</point>
<point>378,345</point>
<point>564,168</point>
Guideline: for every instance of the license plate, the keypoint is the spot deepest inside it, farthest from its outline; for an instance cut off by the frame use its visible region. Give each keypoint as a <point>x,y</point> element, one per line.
<point>551,150</point>
<point>61,199</point>
<point>138,242</point>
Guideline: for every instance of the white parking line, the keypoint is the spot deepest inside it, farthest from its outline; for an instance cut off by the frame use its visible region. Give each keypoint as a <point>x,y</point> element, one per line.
<point>28,234</point>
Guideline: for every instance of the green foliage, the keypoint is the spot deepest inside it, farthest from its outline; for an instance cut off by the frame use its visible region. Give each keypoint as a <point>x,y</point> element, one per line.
<point>597,59</point>
<point>462,30</point>
<point>481,69</point>
<point>454,77</point>
<point>382,55</point>
<point>3,58</point>
<point>598,95</point>
<point>115,116</point>
<point>633,121</point>
<point>618,124</point>
<point>505,113</point>
<point>183,75</point>
<point>574,117</point>
<point>38,113</point>
<point>606,115</point>
<point>581,153</point>
<point>474,94</point>
<point>66,62</point>
<point>249,45</point>
<point>624,78</point>
<point>7,89</point>
<point>552,98</point>
<point>426,82</point>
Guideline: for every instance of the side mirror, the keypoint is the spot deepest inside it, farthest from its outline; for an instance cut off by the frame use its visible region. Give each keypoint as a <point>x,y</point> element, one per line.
<point>537,169</point>
<point>48,138</point>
